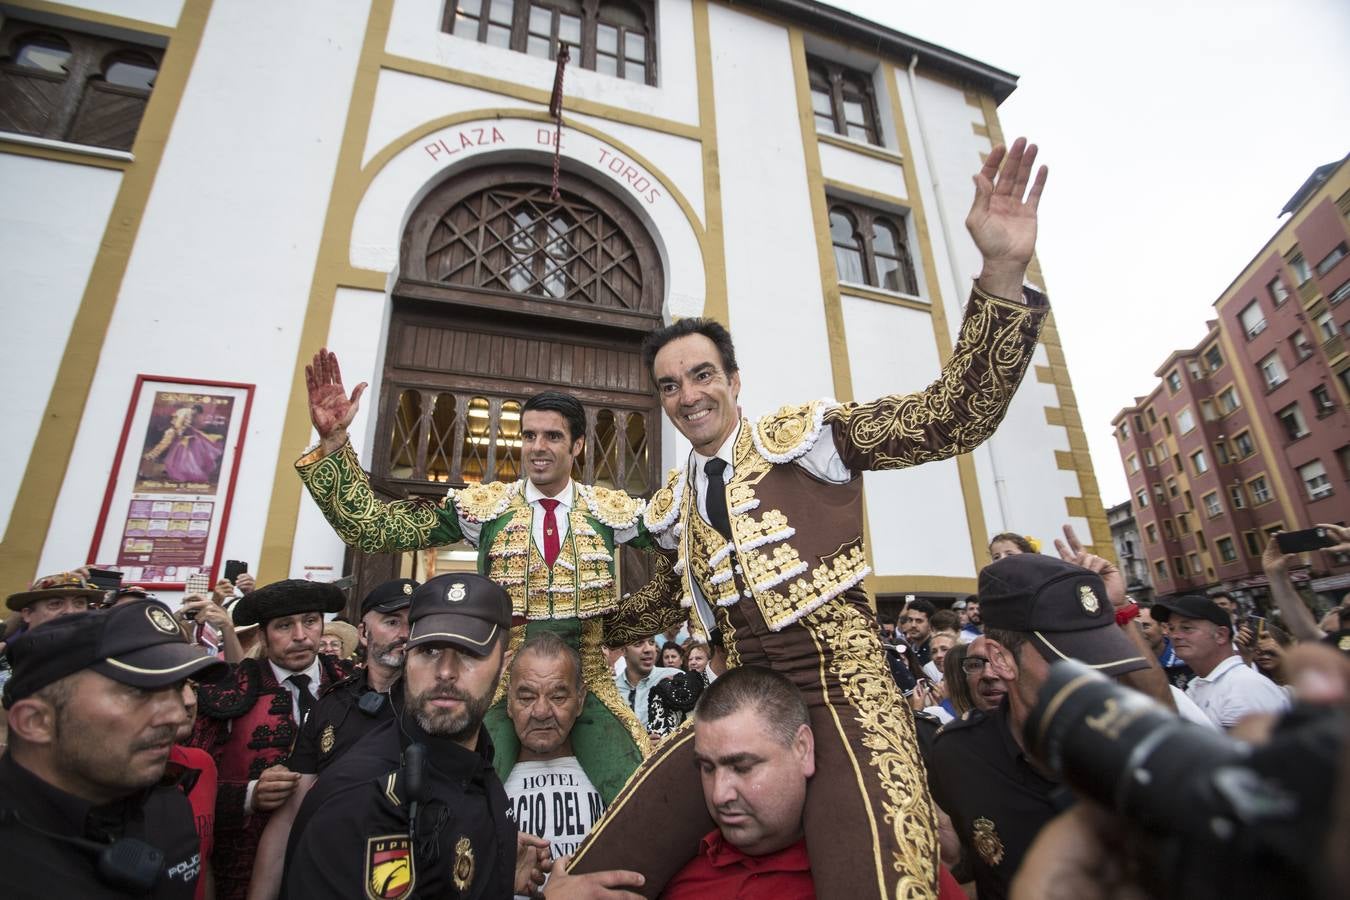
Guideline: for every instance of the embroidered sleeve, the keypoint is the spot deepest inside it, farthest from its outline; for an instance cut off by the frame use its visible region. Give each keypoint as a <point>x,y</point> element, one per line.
<point>958,411</point>
<point>365,522</point>
<point>650,609</point>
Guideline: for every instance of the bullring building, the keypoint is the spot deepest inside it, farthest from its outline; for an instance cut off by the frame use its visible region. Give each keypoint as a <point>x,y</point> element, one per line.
<point>199,194</point>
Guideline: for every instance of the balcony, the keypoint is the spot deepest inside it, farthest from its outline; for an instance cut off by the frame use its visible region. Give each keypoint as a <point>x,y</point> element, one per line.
<point>1334,348</point>
<point>1307,292</point>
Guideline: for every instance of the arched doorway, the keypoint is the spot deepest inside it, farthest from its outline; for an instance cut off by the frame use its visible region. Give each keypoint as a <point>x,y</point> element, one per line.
<point>504,292</point>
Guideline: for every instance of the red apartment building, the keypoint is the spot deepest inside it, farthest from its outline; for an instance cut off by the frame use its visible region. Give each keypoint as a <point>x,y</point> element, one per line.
<point>1247,432</point>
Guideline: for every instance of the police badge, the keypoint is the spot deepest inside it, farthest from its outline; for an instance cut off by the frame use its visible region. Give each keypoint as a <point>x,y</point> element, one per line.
<point>389,867</point>
<point>987,842</point>
<point>1088,599</point>
<point>463,871</point>
<point>457,592</point>
<point>327,739</point>
<point>160,619</point>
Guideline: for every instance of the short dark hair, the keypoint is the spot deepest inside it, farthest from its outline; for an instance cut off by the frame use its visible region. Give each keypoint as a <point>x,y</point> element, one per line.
<point>565,405</point>
<point>1018,540</point>
<point>711,329</point>
<point>944,620</point>
<point>775,698</point>
<point>550,645</point>
<point>921,605</point>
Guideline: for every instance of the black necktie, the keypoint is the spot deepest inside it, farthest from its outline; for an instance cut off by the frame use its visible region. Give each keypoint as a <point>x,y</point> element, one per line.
<point>632,699</point>
<point>716,499</point>
<point>306,699</point>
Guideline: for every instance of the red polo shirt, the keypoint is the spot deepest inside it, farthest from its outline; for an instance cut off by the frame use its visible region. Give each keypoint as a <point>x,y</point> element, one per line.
<point>720,870</point>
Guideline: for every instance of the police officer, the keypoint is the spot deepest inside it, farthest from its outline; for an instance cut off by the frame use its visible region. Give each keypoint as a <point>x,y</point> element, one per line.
<point>1036,610</point>
<point>94,705</point>
<point>347,712</point>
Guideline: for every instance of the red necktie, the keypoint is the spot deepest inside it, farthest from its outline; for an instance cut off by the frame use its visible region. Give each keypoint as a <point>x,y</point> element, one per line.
<point>552,540</point>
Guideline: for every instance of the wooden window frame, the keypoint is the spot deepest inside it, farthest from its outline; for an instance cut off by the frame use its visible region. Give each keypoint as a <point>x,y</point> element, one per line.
<point>864,219</point>
<point>83,85</point>
<point>836,80</point>
<point>592,14</point>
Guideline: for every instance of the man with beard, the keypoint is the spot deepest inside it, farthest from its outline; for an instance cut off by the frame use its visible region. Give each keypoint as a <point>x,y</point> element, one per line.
<point>347,712</point>
<point>94,707</point>
<point>916,622</point>
<point>766,518</point>
<point>249,721</point>
<point>547,540</point>
<point>417,806</point>
<point>973,626</point>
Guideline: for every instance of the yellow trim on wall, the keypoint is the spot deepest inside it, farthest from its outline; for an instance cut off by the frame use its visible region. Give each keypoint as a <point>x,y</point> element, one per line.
<point>395,63</point>
<point>844,143</point>
<point>716,304</point>
<point>35,502</point>
<point>924,584</point>
<point>74,157</point>
<point>900,203</point>
<point>80,14</point>
<point>835,339</point>
<point>862,292</point>
<point>329,270</point>
<point>1088,504</point>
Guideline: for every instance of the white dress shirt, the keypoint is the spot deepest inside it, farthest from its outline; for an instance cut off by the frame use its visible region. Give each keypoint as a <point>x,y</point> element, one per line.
<point>282,675</point>
<point>566,497</point>
<point>1232,690</point>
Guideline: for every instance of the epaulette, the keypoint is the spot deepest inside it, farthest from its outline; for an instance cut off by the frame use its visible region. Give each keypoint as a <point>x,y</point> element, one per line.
<point>233,696</point>
<point>481,503</point>
<point>614,508</point>
<point>791,432</point>
<point>664,507</point>
<point>969,720</point>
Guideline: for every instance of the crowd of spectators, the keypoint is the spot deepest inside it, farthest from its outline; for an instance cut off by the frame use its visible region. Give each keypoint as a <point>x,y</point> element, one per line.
<point>225,738</point>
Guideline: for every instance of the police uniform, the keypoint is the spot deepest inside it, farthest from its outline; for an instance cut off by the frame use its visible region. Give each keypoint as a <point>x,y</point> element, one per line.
<point>995,795</point>
<point>349,709</point>
<point>997,799</point>
<point>56,844</point>
<point>354,835</point>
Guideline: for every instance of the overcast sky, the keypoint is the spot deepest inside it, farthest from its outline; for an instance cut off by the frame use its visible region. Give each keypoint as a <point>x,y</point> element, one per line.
<point>1175,131</point>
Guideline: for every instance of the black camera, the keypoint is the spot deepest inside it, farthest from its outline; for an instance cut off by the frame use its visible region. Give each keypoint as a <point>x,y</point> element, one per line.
<point>1209,816</point>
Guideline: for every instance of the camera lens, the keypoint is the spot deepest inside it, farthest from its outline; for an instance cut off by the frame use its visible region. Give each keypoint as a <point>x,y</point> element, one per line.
<point>1120,748</point>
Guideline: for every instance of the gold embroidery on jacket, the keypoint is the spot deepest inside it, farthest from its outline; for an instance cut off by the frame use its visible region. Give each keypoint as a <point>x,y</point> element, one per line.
<point>854,659</point>
<point>581,582</point>
<point>599,678</point>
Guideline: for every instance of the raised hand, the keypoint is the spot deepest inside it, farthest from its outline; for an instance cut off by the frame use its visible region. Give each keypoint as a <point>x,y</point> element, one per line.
<point>1002,219</point>
<point>1071,550</point>
<point>330,409</point>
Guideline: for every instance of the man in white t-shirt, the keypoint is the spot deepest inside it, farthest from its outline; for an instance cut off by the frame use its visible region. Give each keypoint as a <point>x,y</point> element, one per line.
<point>551,797</point>
<point>1224,687</point>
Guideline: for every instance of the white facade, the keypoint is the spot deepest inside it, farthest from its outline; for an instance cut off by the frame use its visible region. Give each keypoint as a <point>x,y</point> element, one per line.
<point>297,138</point>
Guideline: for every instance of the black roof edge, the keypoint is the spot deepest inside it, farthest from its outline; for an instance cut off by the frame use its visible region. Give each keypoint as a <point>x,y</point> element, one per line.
<point>854,29</point>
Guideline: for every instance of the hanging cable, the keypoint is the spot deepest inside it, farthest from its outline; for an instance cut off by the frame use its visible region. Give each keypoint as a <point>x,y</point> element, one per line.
<point>555,109</point>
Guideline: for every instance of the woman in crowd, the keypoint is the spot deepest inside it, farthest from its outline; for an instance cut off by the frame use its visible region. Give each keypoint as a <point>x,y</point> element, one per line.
<point>672,656</point>
<point>1009,544</point>
<point>339,639</point>
<point>697,654</point>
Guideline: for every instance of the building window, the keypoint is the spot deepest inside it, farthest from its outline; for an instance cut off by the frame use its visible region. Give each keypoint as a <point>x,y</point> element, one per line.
<point>1124,431</point>
<point>1167,425</point>
<point>1151,532</point>
<point>1278,292</point>
<point>1213,358</point>
<point>1169,531</point>
<point>1315,480</point>
<point>1260,490</point>
<point>1228,400</point>
<point>1190,502</point>
<point>1186,421</point>
<point>1292,420</point>
<point>1253,544</point>
<point>64,85</point>
<point>1302,347</point>
<point>1199,462</point>
<point>1331,259</point>
<point>1207,410</point>
<point>1132,463</point>
<point>1252,319</point>
<point>1221,453</point>
<point>1242,443</point>
<point>1339,294</point>
<point>1139,424</point>
<point>614,37</point>
<point>1322,402</point>
<point>1194,560</point>
<point>1172,490</point>
<point>1272,369</point>
<point>1300,267</point>
<point>871,248</point>
<point>1158,493</point>
<point>1183,524</point>
<point>1227,550</point>
<point>1160,567</point>
<point>1179,565</point>
<point>843,101</point>
<point>1141,497</point>
<point>1326,327</point>
<point>1148,456</point>
<point>1174,381</point>
<point>1212,505</point>
<point>1238,498</point>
